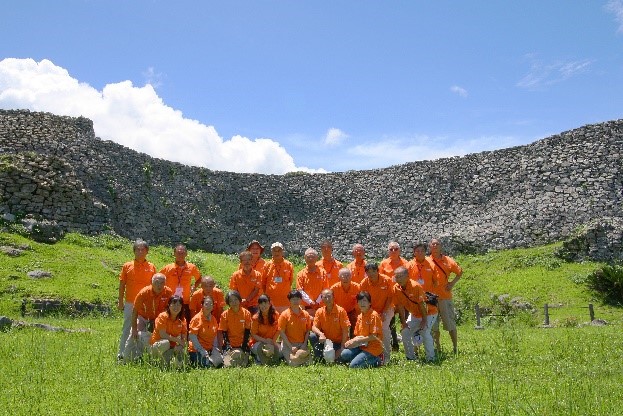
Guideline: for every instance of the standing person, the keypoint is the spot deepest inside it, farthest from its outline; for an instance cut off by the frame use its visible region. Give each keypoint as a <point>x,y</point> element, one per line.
<point>330,323</point>
<point>234,331</point>
<point>179,275</point>
<point>330,265</point>
<point>444,266</point>
<point>150,302</point>
<point>256,250</point>
<point>387,267</point>
<point>278,278</point>
<point>380,287</point>
<point>169,337</point>
<point>203,347</point>
<point>421,270</point>
<point>365,349</point>
<point>409,299</point>
<point>357,267</point>
<point>208,288</point>
<point>294,326</point>
<point>312,280</point>
<point>247,281</point>
<point>345,295</point>
<point>264,333</point>
<point>135,275</point>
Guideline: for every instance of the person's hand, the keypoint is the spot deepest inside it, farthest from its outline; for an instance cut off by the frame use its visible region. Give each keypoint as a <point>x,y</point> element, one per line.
<point>120,305</point>
<point>134,333</point>
<point>423,324</point>
<point>322,338</point>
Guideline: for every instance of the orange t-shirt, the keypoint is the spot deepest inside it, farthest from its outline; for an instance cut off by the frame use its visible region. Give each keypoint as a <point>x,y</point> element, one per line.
<point>370,323</point>
<point>358,271</point>
<point>347,300</point>
<point>410,297</point>
<point>379,291</point>
<point>424,274</point>
<point>234,323</point>
<point>245,283</point>
<point>277,282</point>
<point>205,330</point>
<point>149,304</point>
<point>136,276</point>
<point>332,324</point>
<point>313,283</point>
<point>332,268</point>
<point>196,302</point>
<point>295,325</point>
<point>386,267</point>
<point>448,265</point>
<point>173,327</point>
<point>178,278</point>
<point>264,330</point>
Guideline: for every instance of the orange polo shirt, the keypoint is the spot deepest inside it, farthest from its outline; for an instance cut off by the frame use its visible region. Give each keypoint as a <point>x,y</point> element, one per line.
<point>180,277</point>
<point>277,282</point>
<point>136,275</point>
<point>245,283</point>
<point>410,297</point>
<point>149,304</point>
<point>234,323</point>
<point>264,330</point>
<point>424,274</point>
<point>386,267</point>
<point>173,327</point>
<point>196,302</point>
<point>332,268</point>
<point>370,323</point>
<point>295,325</point>
<point>358,271</point>
<point>379,291</point>
<point>333,323</point>
<point>313,283</point>
<point>205,330</point>
<point>448,265</point>
<point>346,299</point>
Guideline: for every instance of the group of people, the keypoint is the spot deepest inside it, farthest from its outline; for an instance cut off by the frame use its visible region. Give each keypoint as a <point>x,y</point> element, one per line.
<point>329,312</point>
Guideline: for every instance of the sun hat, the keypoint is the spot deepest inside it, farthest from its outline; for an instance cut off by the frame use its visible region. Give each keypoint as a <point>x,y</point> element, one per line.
<point>255,242</point>
<point>277,244</point>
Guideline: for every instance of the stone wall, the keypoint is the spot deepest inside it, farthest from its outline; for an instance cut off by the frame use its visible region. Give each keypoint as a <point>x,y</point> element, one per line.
<point>54,167</point>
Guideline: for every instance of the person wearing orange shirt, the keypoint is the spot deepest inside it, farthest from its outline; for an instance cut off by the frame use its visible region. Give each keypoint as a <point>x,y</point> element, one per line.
<point>135,275</point>
<point>264,333</point>
<point>179,275</point>
<point>278,278</point>
<point>150,302</point>
<point>247,281</point>
<point>330,323</point>
<point>208,288</point>
<point>421,270</point>
<point>409,299</point>
<point>357,266</point>
<point>345,295</point>
<point>168,340</point>
<point>311,281</point>
<point>257,262</point>
<point>380,287</point>
<point>234,331</point>
<point>365,349</point>
<point>444,266</point>
<point>203,347</point>
<point>330,265</point>
<point>294,326</point>
<point>388,267</point>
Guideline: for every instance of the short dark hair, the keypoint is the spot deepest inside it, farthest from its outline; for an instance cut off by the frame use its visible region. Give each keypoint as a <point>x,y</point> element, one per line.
<point>419,245</point>
<point>178,299</point>
<point>295,294</point>
<point>364,294</point>
<point>231,293</point>
<point>372,266</point>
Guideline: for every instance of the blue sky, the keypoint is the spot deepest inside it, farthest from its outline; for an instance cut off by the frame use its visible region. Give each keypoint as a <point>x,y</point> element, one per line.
<point>277,86</point>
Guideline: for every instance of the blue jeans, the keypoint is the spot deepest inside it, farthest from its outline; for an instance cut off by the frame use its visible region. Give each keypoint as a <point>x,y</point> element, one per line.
<point>198,360</point>
<point>359,358</point>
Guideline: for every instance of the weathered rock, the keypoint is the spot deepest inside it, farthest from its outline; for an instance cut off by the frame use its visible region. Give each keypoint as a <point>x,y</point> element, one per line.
<point>39,274</point>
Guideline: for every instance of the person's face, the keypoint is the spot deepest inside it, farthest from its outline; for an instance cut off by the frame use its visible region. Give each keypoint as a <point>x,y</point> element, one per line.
<point>246,261</point>
<point>311,259</point>
<point>345,277</point>
<point>327,251</point>
<point>419,253</point>
<point>394,250</point>
<point>373,274</point>
<point>207,285</point>
<point>158,286</point>
<point>208,306</point>
<point>140,252</point>
<point>435,247</point>
<point>175,308</point>
<point>234,303</point>
<point>359,252</point>
<point>180,254</point>
<point>255,250</point>
<point>327,298</point>
<point>295,302</point>
<point>364,305</point>
<point>264,306</point>
<point>401,278</point>
<point>277,253</point>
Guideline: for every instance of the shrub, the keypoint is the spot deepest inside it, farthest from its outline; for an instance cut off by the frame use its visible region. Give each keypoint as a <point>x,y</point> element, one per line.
<point>608,281</point>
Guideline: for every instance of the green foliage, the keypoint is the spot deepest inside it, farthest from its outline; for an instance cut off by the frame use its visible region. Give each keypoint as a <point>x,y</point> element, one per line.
<point>608,282</point>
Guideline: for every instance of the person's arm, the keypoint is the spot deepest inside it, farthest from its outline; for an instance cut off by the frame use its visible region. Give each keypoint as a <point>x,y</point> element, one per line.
<point>134,323</point>
<point>195,340</point>
<point>120,302</point>
<point>245,340</point>
<point>345,332</point>
<point>286,343</point>
<point>402,315</point>
<point>387,307</point>
<point>321,336</point>
<point>424,312</point>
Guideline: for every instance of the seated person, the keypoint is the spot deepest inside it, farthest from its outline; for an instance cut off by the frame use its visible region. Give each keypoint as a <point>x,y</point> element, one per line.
<point>168,340</point>
<point>234,331</point>
<point>203,330</point>
<point>330,323</point>
<point>264,333</point>
<point>366,348</point>
<point>294,326</point>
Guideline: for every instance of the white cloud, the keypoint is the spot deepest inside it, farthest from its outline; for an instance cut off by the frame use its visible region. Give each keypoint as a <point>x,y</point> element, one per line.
<point>459,90</point>
<point>137,118</point>
<point>616,7</point>
<point>542,74</point>
<point>334,137</point>
<point>152,77</point>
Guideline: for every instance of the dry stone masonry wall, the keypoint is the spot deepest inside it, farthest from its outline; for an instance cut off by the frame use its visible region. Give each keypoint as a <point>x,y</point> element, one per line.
<point>54,169</point>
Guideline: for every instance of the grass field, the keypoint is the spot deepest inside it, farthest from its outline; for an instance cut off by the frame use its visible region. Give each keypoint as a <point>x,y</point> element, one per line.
<point>511,367</point>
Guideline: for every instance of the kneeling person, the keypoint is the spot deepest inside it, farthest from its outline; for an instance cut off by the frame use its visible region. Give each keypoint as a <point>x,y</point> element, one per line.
<point>366,348</point>
<point>203,330</point>
<point>330,323</point>
<point>294,326</point>
<point>234,331</point>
